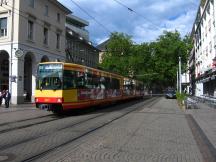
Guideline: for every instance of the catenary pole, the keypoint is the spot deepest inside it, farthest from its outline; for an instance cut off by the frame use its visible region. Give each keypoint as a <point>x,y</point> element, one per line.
<point>177,81</point>
<point>180,87</point>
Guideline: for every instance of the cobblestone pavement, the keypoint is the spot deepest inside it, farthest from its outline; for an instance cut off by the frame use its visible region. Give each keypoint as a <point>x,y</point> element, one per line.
<point>20,112</point>
<point>205,117</point>
<point>156,133</point>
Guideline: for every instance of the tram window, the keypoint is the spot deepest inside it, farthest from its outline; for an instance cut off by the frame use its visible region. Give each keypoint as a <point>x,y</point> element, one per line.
<point>89,80</point>
<point>49,83</point>
<point>95,81</point>
<point>115,83</point>
<point>80,80</point>
<point>69,79</point>
<point>129,85</point>
<point>102,83</point>
<point>139,86</point>
<point>107,83</point>
<point>57,82</point>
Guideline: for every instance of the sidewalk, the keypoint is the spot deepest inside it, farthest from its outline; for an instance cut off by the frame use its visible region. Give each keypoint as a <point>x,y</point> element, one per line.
<point>205,117</point>
<point>19,107</point>
<point>158,131</point>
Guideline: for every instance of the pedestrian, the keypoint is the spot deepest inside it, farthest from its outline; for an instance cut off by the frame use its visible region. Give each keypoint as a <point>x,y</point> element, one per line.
<point>151,93</point>
<point>7,98</point>
<point>1,97</point>
<point>185,90</point>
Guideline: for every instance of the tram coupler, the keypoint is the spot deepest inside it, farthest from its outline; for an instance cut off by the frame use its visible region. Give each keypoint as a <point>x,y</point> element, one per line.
<point>47,107</point>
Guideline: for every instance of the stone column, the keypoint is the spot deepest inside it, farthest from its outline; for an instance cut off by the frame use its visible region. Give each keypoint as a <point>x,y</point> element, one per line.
<point>16,80</point>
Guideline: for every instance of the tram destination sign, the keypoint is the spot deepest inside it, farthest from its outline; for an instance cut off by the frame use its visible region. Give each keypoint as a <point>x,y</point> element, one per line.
<point>50,66</point>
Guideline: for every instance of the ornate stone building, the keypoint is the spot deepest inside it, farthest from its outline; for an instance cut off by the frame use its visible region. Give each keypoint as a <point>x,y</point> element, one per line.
<point>31,31</point>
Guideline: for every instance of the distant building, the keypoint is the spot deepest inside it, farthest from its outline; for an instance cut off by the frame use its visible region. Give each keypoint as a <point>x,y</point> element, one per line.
<point>103,48</point>
<point>79,49</point>
<point>185,82</point>
<point>191,66</point>
<point>203,54</point>
<point>31,31</point>
<point>192,74</point>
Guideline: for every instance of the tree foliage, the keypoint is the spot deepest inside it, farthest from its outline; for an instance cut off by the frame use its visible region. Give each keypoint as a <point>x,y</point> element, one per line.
<point>155,63</point>
<point>118,51</point>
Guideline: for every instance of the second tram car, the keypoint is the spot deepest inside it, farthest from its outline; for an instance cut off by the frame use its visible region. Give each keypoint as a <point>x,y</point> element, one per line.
<point>63,86</point>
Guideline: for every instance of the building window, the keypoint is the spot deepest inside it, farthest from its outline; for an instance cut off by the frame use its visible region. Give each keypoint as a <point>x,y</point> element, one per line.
<point>206,50</point>
<point>210,47</point>
<point>31,3</point>
<point>57,40</point>
<point>45,36</point>
<point>209,24</point>
<point>214,45</point>
<point>46,12</point>
<point>3,27</point>
<point>58,17</point>
<point>208,9</point>
<point>30,29</point>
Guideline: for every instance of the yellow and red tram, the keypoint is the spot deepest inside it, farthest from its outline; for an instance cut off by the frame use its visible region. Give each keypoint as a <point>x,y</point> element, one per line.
<point>63,86</point>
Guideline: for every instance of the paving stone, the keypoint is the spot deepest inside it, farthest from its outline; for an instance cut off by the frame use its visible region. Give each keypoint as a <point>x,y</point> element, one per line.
<point>156,134</point>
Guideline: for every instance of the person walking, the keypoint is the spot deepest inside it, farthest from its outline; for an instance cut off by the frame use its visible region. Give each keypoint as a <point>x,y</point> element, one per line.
<point>1,97</point>
<point>7,98</point>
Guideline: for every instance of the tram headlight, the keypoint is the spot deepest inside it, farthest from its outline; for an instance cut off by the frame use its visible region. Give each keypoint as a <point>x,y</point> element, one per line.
<point>59,100</point>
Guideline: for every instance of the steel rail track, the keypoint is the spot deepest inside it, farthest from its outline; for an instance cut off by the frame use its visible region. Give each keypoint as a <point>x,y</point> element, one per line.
<point>23,120</point>
<point>25,109</point>
<point>40,155</point>
<point>26,126</point>
<point>66,127</point>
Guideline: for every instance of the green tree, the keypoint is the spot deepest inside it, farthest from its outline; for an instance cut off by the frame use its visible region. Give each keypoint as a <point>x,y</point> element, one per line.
<point>116,58</point>
<point>169,47</point>
<point>155,63</point>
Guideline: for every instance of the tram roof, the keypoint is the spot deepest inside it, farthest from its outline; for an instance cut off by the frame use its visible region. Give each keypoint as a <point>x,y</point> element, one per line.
<point>93,69</point>
<point>83,66</point>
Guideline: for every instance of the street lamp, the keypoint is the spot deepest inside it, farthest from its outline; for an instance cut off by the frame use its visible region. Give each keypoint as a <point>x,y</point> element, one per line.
<point>177,79</point>
<point>180,87</point>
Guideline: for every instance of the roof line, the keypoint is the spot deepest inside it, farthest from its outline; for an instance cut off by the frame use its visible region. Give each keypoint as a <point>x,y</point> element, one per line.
<point>61,6</point>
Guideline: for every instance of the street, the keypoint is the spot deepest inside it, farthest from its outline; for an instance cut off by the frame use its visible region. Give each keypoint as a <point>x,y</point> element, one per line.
<point>143,130</point>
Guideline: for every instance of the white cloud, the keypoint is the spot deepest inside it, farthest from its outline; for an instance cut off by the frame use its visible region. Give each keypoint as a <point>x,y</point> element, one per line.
<point>183,23</point>
<point>101,40</point>
<point>166,15</point>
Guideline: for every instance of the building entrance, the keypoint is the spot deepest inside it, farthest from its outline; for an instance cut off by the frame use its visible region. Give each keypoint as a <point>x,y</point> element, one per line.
<point>4,70</point>
<point>27,77</point>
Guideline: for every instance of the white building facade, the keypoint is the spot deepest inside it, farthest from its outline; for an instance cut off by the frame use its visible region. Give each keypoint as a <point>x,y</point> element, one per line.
<point>31,31</point>
<point>204,35</point>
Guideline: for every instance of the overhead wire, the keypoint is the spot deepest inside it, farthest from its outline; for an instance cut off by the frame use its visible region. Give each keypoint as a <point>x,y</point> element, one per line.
<point>98,22</point>
<point>19,12</point>
<point>27,18</point>
<point>132,10</point>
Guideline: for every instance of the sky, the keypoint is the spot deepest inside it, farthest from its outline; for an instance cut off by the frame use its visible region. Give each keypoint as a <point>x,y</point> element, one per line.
<point>143,20</point>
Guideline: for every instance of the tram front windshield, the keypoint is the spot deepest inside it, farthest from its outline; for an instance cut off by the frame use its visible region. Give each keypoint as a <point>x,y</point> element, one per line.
<point>49,77</point>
